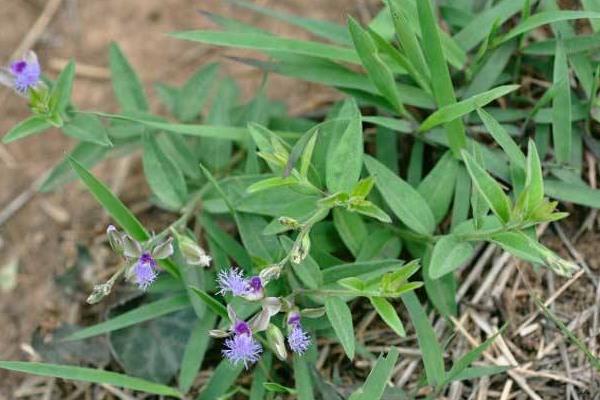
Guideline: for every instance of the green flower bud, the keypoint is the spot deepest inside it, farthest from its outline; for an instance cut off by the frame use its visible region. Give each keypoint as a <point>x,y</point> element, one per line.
<point>192,252</point>
<point>276,341</point>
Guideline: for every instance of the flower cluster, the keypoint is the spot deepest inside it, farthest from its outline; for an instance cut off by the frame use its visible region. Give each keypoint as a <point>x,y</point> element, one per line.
<point>23,74</point>
<point>298,339</point>
<point>232,281</point>
<point>241,346</point>
<point>141,259</point>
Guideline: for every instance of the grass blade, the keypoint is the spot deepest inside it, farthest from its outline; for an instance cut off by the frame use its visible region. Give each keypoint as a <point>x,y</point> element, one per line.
<point>115,207</point>
<point>269,43</point>
<point>561,107</point>
<point>135,316</point>
<point>90,375</point>
<point>453,111</point>
<point>440,76</point>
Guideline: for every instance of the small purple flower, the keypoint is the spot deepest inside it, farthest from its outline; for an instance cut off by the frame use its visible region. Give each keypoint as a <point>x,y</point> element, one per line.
<point>232,281</point>
<point>23,74</point>
<point>242,347</point>
<point>241,328</point>
<point>255,284</point>
<point>298,338</point>
<point>145,271</point>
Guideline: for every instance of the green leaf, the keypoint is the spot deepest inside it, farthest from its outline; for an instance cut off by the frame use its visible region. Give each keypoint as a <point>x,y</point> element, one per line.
<point>408,205</point>
<point>269,43</point>
<point>30,126</point>
<point>262,372</point>
<point>215,306</point>
<point>90,375</point>
<point>479,27</point>
<point>163,176</point>
<point>572,193</point>
<point>512,150</point>
<point>88,128</point>
<point>480,372</point>
<point>61,92</point>
<point>335,273</point>
<point>409,42</point>
<point>277,388</point>
<point>221,379</point>
<point>126,84</point>
<point>344,156</point>
<point>88,154</point>
<point>520,245</point>
<point>377,380</point>
<point>340,317</point>
<point>441,82</point>
<point>369,209</point>
<point>466,360</point>
<point>258,245</point>
<point>304,384</point>
<point>561,107</point>
<point>547,17</point>
<point>231,246</point>
<point>488,188</point>
<point>377,70</point>
<point>120,213</point>
<point>442,291</point>
<point>438,186</point>
<point>216,152</point>
<point>430,347</point>
<point>194,93</point>
<point>388,314</point>
<point>448,254</point>
<point>163,342</point>
<point>137,315</point>
<point>453,111</point>
<point>195,349</point>
<point>325,29</point>
<point>351,229</point>
<point>572,45</point>
<point>382,244</point>
<point>534,181</point>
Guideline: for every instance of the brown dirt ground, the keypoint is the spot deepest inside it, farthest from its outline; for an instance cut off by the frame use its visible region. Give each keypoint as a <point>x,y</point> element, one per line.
<point>43,234</point>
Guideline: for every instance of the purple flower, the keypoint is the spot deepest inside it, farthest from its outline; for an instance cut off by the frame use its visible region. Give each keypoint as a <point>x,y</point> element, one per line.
<point>242,347</point>
<point>298,338</point>
<point>232,281</point>
<point>145,271</point>
<point>255,284</point>
<point>23,74</point>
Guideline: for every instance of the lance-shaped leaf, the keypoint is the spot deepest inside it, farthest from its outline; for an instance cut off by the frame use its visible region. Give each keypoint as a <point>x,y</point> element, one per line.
<point>378,71</point>
<point>340,317</point>
<point>344,156</point>
<point>561,107</point>
<point>408,205</point>
<point>453,111</point>
<point>448,254</point>
<point>491,190</point>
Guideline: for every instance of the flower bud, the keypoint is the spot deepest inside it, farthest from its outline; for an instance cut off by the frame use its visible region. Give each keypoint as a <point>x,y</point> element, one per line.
<point>301,249</point>
<point>192,252</point>
<point>218,333</point>
<point>131,247</point>
<point>289,222</point>
<point>560,265</point>
<point>276,341</point>
<point>115,239</point>
<point>270,273</point>
<point>313,312</point>
<point>99,292</point>
<point>163,250</point>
